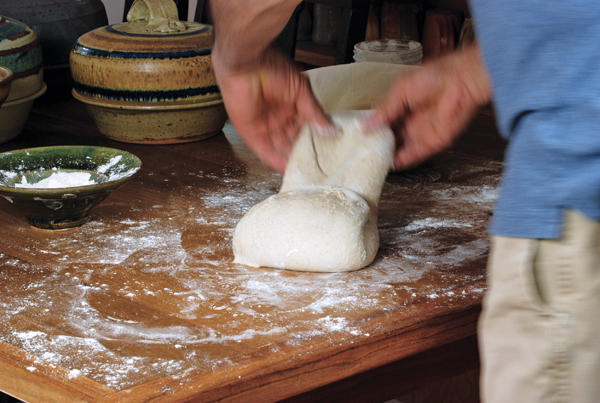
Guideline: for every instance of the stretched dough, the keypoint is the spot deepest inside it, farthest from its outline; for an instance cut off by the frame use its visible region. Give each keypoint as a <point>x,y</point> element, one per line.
<point>324,217</point>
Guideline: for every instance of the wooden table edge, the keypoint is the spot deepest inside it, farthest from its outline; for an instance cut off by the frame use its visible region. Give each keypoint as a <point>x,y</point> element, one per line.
<point>33,379</point>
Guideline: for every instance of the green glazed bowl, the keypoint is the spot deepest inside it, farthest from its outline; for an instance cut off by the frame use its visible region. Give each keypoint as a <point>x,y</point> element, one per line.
<point>65,204</point>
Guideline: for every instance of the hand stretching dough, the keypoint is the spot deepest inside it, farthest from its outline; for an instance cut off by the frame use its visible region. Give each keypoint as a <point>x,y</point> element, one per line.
<point>324,217</point>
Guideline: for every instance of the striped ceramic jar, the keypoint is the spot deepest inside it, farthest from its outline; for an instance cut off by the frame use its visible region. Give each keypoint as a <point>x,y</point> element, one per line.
<point>125,63</point>
<point>150,80</point>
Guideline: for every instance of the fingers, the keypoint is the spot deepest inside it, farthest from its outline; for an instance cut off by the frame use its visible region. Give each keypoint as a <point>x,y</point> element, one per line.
<point>291,86</point>
<point>394,106</point>
<point>268,149</point>
<point>418,140</point>
<point>273,141</point>
<point>310,111</point>
<point>284,137</point>
<point>430,132</point>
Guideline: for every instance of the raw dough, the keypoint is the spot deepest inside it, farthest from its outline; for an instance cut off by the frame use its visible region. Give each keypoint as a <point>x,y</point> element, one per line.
<point>324,217</point>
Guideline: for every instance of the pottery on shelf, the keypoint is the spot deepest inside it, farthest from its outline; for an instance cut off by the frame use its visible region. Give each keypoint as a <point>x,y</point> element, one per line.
<point>20,51</point>
<point>57,23</point>
<point>150,80</point>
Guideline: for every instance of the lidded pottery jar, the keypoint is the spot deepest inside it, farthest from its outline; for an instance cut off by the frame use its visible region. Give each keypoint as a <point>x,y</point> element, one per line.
<point>150,80</point>
<point>20,51</point>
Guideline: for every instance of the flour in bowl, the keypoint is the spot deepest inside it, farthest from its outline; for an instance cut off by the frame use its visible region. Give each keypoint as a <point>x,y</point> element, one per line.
<point>60,180</point>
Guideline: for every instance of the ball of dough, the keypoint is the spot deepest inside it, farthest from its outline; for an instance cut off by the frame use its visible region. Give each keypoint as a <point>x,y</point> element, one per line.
<point>314,228</point>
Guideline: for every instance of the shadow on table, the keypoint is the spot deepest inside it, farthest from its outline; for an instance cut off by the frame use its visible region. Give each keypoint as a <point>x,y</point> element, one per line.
<point>8,399</point>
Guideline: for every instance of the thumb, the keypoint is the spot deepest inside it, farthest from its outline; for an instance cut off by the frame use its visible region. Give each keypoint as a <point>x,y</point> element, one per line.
<point>311,111</point>
<point>394,106</point>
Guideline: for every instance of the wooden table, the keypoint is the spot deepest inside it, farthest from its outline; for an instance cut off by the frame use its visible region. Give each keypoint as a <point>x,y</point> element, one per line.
<point>142,303</point>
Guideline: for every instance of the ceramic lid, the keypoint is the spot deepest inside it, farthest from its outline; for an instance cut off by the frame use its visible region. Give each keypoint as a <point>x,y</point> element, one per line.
<point>153,27</point>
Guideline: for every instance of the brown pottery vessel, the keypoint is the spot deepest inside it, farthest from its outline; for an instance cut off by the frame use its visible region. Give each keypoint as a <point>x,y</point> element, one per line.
<point>150,80</point>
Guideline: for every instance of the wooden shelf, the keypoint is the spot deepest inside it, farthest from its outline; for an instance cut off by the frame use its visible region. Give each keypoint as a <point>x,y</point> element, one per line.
<point>312,54</point>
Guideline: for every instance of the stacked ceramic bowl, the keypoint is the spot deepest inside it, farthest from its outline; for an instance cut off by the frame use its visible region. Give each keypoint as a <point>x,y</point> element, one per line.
<point>6,77</point>
<point>20,52</point>
<point>150,80</point>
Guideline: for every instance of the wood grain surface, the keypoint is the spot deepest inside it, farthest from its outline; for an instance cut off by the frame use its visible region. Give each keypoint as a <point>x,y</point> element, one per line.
<point>142,303</point>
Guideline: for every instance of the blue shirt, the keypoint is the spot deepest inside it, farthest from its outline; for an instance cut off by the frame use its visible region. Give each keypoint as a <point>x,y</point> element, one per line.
<point>544,62</point>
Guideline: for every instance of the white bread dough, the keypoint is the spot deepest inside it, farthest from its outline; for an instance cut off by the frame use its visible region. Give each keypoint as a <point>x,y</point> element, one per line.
<point>314,228</point>
<point>324,217</point>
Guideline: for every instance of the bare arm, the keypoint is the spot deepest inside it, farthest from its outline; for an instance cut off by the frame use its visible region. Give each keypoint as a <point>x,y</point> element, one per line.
<point>245,28</point>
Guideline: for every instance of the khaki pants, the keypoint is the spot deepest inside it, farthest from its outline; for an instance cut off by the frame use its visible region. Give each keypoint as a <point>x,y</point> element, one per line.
<point>540,327</point>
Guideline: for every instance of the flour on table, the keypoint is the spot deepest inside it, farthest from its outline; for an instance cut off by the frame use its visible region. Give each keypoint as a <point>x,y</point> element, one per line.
<point>324,217</point>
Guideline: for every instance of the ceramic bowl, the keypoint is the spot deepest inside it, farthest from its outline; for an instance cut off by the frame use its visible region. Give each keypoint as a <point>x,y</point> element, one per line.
<point>65,204</point>
<point>20,51</point>
<point>160,124</point>
<point>150,80</point>
<point>14,114</point>
<point>6,77</point>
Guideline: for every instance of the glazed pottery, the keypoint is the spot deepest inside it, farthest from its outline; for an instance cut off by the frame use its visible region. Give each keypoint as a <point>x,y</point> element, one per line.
<point>63,207</point>
<point>20,51</point>
<point>6,77</point>
<point>150,80</point>
<point>14,114</point>
<point>57,23</point>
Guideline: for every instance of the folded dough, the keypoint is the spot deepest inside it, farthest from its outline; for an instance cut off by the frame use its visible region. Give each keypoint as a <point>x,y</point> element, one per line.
<point>324,218</point>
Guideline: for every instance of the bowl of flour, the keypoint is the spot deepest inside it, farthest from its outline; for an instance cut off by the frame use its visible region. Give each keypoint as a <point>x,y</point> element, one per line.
<point>56,187</point>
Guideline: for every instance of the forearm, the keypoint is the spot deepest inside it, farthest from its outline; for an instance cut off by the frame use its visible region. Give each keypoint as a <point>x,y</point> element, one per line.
<point>244,29</point>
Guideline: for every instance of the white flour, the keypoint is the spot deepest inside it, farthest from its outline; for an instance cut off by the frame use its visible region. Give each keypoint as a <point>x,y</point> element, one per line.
<point>59,180</point>
<point>111,163</point>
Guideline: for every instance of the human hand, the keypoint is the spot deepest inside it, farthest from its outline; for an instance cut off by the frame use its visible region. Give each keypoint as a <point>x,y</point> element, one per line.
<point>429,108</point>
<point>268,102</point>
